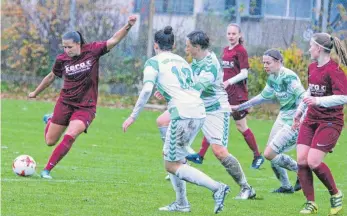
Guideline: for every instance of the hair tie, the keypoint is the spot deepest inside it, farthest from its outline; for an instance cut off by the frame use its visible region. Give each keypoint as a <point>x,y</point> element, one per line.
<point>312,39</point>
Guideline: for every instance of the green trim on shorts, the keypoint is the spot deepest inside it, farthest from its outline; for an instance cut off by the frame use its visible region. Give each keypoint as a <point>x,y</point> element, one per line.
<point>174,113</point>
<point>172,147</point>
<point>225,129</point>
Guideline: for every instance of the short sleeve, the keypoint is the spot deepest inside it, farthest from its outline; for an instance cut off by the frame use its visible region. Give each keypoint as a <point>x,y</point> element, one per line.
<point>58,67</point>
<point>151,71</point>
<point>243,59</point>
<point>338,82</point>
<point>99,48</point>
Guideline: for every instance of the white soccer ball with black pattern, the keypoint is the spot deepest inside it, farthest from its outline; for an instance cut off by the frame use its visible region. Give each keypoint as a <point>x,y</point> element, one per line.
<point>24,165</point>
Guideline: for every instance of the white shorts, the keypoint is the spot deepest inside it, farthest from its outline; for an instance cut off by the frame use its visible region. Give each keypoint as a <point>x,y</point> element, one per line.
<point>216,128</point>
<point>282,138</point>
<point>179,137</point>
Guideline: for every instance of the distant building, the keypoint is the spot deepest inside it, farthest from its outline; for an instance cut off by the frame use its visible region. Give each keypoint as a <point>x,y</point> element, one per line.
<point>265,23</point>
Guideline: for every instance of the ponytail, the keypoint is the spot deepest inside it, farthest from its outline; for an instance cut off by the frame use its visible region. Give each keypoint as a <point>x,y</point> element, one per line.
<point>75,36</point>
<point>340,50</point>
<point>328,42</point>
<point>83,41</point>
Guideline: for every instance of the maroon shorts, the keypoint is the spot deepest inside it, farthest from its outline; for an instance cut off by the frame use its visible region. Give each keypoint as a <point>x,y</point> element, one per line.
<point>238,115</point>
<point>64,113</point>
<point>321,136</point>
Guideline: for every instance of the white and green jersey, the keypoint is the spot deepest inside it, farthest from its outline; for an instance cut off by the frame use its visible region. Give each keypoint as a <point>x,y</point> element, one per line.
<point>287,89</point>
<point>209,75</point>
<point>174,79</point>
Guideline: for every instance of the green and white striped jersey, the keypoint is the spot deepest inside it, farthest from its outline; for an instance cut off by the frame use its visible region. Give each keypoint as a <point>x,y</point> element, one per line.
<point>174,79</point>
<point>209,75</point>
<point>287,89</point>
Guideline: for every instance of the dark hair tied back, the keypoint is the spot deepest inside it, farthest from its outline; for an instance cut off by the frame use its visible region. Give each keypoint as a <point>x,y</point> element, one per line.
<point>200,38</point>
<point>165,38</point>
<point>167,30</point>
<point>75,36</point>
<point>83,41</point>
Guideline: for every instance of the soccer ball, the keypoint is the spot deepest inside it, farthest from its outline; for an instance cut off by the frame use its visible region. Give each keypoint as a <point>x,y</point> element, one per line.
<point>24,165</point>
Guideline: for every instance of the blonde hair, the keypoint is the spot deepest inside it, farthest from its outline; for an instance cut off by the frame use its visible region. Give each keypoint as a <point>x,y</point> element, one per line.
<point>241,40</point>
<point>328,42</point>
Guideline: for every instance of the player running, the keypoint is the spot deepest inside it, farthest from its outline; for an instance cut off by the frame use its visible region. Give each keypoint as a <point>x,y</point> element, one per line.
<point>209,75</point>
<point>284,87</point>
<point>323,122</point>
<point>174,78</point>
<point>235,66</point>
<point>76,106</point>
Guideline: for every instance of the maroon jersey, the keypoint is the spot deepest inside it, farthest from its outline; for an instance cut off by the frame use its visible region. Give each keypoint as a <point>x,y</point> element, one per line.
<point>232,62</point>
<point>324,81</point>
<point>81,75</point>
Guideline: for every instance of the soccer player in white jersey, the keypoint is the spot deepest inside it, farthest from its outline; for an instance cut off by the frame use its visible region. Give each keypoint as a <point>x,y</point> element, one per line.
<point>209,75</point>
<point>174,79</point>
<point>284,87</point>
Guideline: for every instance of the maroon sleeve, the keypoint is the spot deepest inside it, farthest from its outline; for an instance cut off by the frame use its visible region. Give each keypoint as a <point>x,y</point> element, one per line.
<point>58,67</point>
<point>99,48</point>
<point>338,82</point>
<point>243,59</point>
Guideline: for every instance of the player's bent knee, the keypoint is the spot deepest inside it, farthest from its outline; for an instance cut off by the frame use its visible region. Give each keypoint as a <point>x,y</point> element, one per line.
<point>241,128</point>
<point>268,156</point>
<point>302,159</point>
<point>313,163</point>
<point>162,121</point>
<point>220,152</point>
<point>74,134</point>
<point>51,141</point>
<point>172,167</point>
<point>75,131</point>
<point>159,122</point>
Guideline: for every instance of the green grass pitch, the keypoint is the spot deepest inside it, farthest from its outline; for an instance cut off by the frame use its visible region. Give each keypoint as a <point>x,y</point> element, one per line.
<point>108,172</point>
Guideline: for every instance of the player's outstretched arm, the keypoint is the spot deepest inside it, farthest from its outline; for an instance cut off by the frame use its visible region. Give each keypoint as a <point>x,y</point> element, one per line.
<point>121,33</point>
<point>47,81</point>
<point>259,99</point>
<point>141,102</point>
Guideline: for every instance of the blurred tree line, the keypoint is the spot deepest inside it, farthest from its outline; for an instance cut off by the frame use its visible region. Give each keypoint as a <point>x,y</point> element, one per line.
<point>31,39</point>
<point>32,30</point>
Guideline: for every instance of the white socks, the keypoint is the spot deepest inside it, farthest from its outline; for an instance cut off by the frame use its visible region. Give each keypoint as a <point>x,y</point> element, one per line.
<point>181,190</point>
<point>195,176</point>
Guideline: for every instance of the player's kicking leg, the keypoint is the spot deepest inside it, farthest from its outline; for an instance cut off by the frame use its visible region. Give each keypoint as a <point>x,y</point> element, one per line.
<point>174,155</point>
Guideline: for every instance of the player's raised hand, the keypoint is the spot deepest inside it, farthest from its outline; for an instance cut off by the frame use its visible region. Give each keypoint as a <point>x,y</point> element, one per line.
<point>310,101</point>
<point>158,95</point>
<point>32,95</point>
<point>127,123</point>
<point>132,20</point>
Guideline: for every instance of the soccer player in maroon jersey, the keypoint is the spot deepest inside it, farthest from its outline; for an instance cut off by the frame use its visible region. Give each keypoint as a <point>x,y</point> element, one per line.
<point>76,106</point>
<point>235,66</point>
<point>323,123</point>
